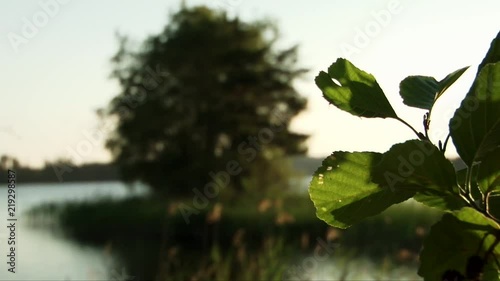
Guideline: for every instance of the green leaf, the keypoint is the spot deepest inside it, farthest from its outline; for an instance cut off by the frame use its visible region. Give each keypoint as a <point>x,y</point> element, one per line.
<point>419,91</point>
<point>453,240</point>
<point>488,176</point>
<point>475,127</point>
<point>343,193</point>
<point>423,91</point>
<point>449,80</point>
<point>419,166</point>
<point>442,200</point>
<point>354,91</point>
<point>493,55</point>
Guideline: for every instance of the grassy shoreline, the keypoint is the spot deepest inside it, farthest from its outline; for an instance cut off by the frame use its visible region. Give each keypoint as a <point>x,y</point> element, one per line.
<point>153,233</point>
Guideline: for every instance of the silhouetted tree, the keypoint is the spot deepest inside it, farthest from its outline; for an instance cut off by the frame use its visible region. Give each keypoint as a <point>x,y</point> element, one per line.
<point>8,162</point>
<point>207,90</point>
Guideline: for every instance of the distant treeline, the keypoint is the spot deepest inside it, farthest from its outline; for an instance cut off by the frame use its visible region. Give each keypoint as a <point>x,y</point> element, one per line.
<point>65,171</point>
<point>60,171</point>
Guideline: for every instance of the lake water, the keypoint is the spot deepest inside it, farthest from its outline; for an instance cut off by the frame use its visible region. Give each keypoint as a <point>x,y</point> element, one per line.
<point>43,255</point>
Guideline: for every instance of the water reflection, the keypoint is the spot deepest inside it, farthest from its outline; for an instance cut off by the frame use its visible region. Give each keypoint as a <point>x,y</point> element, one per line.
<point>361,269</point>
<point>42,255</point>
<point>47,255</point>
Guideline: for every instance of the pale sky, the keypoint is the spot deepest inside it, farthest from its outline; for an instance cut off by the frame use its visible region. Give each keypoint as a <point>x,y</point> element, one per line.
<point>56,76</point>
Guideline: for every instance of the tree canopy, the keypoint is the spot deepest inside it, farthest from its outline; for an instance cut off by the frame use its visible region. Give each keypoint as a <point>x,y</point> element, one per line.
<point>207,90</point>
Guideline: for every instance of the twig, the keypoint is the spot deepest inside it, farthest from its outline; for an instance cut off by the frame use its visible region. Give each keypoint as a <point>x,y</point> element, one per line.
<point>419,135</point>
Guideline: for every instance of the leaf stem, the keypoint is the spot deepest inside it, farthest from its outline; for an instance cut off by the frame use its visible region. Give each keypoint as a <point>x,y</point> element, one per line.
<point>471,201</point>
<point>468,185</point>
<point>446,142</point>
<point>487,207</point>
<point>487,203</point>
<point>427,122</point>
<point>493,193</point>
<point>464,198</point>
<point>419,135</point>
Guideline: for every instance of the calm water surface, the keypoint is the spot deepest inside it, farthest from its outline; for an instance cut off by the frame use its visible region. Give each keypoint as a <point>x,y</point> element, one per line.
<point>44,255</point>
